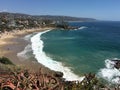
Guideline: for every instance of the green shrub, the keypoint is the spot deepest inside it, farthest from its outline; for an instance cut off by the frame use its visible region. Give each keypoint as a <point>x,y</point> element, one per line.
<point>6,61</point>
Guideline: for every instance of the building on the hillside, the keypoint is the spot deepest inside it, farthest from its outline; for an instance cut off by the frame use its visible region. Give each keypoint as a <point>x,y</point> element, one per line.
<point>11,23</point>
<point>35,22</point>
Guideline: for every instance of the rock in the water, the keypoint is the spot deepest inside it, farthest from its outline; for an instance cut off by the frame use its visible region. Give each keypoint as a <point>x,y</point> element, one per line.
<point>117,64</point>
<point>58,74</point>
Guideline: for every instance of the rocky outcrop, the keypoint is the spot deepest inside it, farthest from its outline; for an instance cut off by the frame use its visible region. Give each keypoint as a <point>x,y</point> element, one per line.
<point>117,63</point>
<point>58,74</point>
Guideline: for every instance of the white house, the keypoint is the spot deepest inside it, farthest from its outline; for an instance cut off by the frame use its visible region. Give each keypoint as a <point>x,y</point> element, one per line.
<point>11,23</point>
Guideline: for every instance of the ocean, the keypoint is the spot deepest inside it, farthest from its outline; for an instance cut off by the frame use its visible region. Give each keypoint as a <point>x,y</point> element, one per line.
<point>78,52</point>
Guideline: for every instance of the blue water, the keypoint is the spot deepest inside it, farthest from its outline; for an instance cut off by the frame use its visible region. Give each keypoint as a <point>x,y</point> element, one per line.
<point>86,49</point>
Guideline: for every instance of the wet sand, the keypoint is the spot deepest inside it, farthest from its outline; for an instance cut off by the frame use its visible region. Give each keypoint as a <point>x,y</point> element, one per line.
<point>12,43</point>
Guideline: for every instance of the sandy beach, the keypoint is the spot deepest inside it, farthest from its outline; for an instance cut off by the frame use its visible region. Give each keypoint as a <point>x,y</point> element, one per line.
<point>12,43</point>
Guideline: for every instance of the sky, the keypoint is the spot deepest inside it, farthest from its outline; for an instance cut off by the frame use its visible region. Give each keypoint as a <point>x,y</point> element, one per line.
<point>98,9</point>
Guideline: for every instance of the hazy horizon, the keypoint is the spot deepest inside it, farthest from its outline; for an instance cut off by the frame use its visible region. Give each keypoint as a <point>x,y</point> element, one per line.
<point>101,10</point>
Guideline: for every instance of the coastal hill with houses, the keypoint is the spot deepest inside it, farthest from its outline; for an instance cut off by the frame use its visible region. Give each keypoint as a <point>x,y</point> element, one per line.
<point>10,21</point>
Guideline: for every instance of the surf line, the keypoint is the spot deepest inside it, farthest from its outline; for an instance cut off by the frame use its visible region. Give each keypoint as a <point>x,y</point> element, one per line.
<point>40,55</point>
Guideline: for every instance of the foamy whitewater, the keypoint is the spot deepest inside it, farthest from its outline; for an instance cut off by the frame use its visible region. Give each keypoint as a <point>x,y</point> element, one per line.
<point>110,73</point>
<point>82,50</point>
<point>40,55</point>
<point>23,54</point>
<point>82,27</point>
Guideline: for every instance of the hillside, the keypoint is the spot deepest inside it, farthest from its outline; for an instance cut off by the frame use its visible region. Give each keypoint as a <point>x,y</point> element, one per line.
<point>19,21</point>
<point>64,18</point>
<point>48,17</point>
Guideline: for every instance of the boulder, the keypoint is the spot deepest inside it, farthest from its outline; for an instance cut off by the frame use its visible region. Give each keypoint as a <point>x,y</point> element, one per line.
<point>117,64</point>
<point>58,74</point>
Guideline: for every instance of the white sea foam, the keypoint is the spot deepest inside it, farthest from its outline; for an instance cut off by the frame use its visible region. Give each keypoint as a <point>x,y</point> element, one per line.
<point>27,37</point>
<point>40,55</point>
<point>110,73</point>
<point>82,27</point>
<point>23,54</point>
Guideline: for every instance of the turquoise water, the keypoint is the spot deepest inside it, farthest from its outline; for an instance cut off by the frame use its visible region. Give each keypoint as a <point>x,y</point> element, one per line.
<point>84,50</point>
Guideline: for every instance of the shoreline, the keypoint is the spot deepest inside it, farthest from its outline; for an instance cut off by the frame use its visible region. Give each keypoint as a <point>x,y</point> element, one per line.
<point>13,43</point>
<point>40,55</point>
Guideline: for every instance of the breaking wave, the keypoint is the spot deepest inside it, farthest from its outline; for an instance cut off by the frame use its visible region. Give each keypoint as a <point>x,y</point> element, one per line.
<point>40,55</point>
<point>110,73</point>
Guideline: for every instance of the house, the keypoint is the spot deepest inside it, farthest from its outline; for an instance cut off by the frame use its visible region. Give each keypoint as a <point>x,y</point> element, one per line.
<point>11,23</point>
